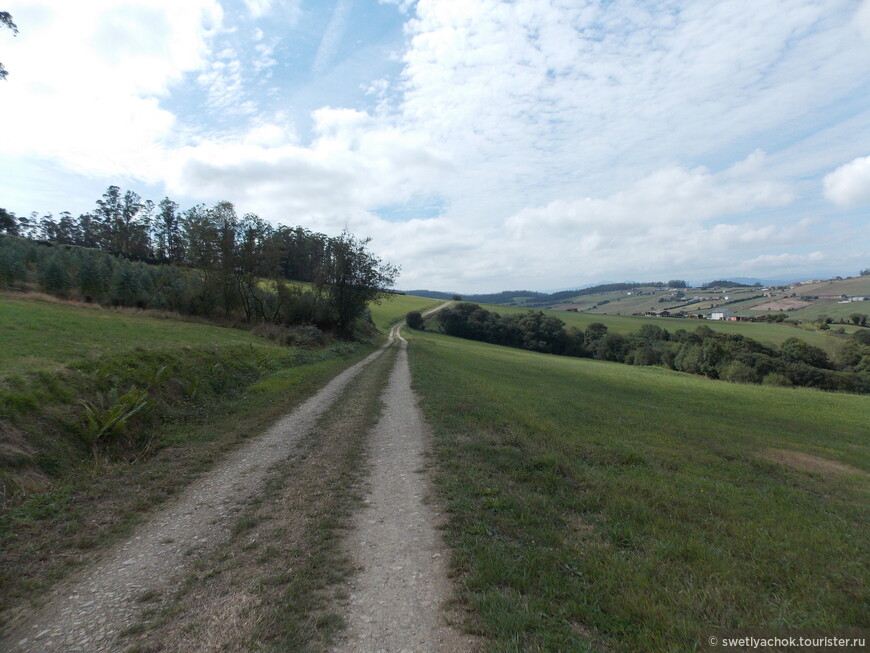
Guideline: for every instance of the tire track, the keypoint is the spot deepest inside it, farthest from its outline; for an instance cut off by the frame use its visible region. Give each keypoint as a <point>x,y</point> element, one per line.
<point>89,614</point>
<point>396,600</point>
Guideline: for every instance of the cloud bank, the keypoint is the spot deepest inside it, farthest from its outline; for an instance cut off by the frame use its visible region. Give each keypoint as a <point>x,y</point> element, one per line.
<point>494,144</point>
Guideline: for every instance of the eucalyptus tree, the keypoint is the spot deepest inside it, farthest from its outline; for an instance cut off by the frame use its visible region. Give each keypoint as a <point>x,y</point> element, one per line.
<point>6,21</point>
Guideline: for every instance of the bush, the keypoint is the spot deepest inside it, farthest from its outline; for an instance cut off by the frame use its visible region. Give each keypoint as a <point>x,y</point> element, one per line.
<point>54,277</point>
<point>414,320</point>
<point>776,379</point>
<point>737,372</point>
<point>12,268</point>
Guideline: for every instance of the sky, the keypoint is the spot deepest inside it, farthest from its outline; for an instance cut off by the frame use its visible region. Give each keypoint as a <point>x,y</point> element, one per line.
<point>483,145</point>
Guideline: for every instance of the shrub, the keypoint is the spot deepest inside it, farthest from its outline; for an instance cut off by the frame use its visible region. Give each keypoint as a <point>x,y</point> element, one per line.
<point>777,379</point>
<point>11,266</point>
<point>53,276</point>
<point>414,320</point>
<point>738,372</point>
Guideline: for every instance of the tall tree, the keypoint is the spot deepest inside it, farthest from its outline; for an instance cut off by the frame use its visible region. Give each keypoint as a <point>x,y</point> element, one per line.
<point>108,214</point>
<point>167,232</point>
<point>352,277</point>
<point>6,21</point>
<point>8,222</point>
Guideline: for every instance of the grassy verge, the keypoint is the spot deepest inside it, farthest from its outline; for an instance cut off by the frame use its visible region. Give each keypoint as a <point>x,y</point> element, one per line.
<point>393,308</point>
<point>274,584</point>
<point>48,335</point>
<point>594,506</point>
<point>205,401</point>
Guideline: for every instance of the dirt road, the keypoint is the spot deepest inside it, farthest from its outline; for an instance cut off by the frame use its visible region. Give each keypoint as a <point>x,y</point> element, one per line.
<point>395,600</point>
<point>88,615</point>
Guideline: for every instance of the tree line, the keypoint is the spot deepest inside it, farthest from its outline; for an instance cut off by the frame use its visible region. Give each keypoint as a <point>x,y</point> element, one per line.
<point>705,352</point>
<point>206,261</point>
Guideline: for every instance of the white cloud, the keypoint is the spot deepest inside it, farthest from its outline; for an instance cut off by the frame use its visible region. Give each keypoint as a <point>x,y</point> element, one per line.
<point>849,185</point>
<point>354,165</point>
<point>89,100</point>
<point>258,8</point>
<point>779,261</point>
<point>331,39</point>
<point>862,19</point>
<point>561,139</point>
<point>671,196</point>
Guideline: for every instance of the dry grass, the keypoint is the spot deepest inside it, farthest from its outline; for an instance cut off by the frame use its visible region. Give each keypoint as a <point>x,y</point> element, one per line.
<point>807,463</point>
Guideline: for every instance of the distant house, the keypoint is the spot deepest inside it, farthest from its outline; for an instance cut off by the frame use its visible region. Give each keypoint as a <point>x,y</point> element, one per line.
<point>720,315</point>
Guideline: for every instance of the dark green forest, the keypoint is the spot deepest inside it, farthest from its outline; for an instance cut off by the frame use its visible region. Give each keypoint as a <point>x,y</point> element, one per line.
<point>204,261</point>
<point>706,352</point>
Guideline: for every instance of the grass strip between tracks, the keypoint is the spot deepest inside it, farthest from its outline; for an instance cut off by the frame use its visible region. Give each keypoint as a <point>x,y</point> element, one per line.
<point>278,582</point>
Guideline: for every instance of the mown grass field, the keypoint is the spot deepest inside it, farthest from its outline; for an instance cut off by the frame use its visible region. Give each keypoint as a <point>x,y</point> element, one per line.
<point>765,332</point>
<point>597,506</point>
<point>393,309</point>
<point>830,308</point>
<point>40,334</point>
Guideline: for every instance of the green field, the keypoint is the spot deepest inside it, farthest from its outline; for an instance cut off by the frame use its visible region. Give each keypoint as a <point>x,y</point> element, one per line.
<point>69,486</point>
<point>39,334</point>
<point>830,308</point>
<point>597,506</point>
<point>853,286</point>
<point>766,332</point>
<point>393,309</point>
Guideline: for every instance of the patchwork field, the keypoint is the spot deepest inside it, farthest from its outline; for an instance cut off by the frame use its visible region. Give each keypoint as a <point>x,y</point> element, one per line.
<point>766,332</point>
<point>601,506</point>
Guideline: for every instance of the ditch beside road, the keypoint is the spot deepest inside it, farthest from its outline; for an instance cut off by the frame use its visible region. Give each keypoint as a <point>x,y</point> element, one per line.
<point>219,567</point>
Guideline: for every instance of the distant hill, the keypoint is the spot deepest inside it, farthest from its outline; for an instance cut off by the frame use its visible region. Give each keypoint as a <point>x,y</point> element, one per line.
<point>837,298</point>
<point>532,298</point>
<point>504,297</point>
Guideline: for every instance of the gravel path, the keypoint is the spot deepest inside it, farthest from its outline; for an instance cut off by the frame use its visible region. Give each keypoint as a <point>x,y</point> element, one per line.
<point>90,613</point>
<point>396,599</point>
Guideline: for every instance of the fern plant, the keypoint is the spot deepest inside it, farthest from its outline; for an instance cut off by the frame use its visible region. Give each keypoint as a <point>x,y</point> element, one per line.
<point>102,424</point>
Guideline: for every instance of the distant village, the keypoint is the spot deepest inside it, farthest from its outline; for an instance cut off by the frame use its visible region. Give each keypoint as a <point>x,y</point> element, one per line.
<point>781,299</point>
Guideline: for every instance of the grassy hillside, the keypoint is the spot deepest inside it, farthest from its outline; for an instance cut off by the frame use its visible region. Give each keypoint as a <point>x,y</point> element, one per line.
<point>746,301</point>
<point>393,308</point>
<point>45,334</point>
<point>600,506</point>
<point>851,286</point>
<point>768,333</point>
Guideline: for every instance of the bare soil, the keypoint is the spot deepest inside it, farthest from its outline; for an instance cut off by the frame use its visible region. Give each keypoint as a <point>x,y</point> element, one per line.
<point>397,599</point>
<point>782,305</point>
